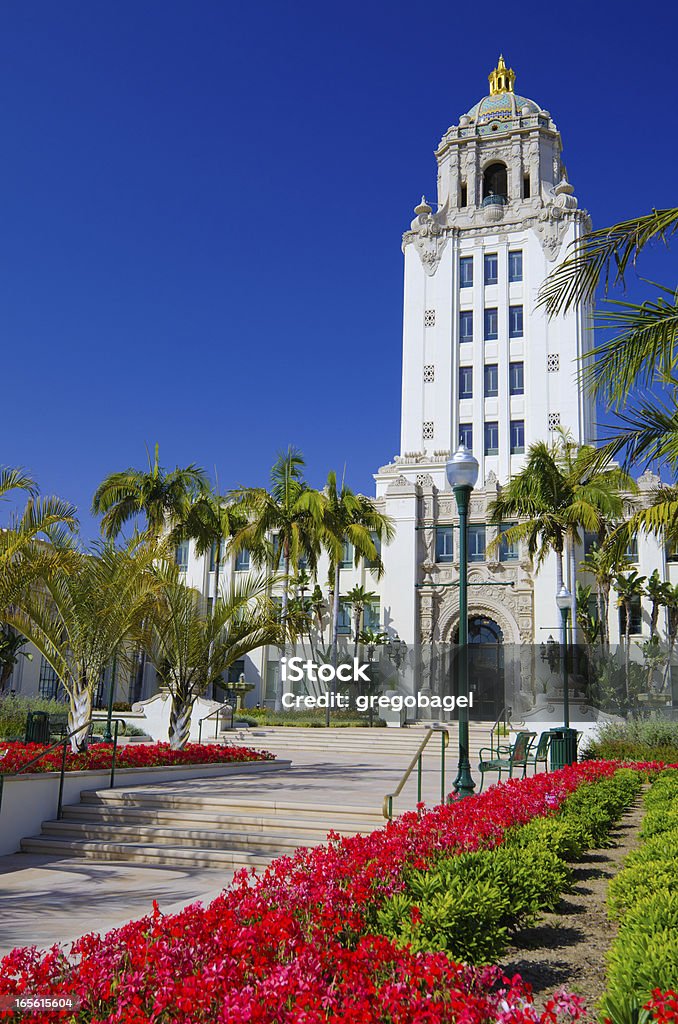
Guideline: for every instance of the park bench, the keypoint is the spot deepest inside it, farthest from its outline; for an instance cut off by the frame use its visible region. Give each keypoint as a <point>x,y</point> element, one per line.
<point>506,758</point>
<point>541,752</point>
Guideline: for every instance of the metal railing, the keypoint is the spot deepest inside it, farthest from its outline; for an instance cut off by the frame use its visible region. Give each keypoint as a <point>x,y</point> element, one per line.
<point>387,806</point>
<point>63,743</point>
<point>495,200</point>
<point>503,720</point>
<point>215,715</point>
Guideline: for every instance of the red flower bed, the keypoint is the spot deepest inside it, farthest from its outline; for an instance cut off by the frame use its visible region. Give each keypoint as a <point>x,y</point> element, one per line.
<point>132,755</point>
<point>294,945</point>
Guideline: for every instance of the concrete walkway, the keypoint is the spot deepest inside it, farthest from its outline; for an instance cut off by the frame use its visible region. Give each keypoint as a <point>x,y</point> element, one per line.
<point>45,900</point>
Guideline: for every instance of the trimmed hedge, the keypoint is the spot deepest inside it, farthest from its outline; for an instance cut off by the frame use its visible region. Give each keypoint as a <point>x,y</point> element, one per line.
<point>644,897</point>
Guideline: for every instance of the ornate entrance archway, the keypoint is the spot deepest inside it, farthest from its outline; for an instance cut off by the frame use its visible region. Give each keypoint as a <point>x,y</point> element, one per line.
<point>486,666</point>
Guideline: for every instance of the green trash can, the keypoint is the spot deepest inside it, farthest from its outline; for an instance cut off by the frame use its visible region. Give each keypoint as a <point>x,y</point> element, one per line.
<point>37,727</point>
<point>563,748</point>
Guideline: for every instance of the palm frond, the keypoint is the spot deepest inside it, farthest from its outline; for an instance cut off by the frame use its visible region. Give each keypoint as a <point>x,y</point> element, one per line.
<point>644,349</point>
<point>602,255</point>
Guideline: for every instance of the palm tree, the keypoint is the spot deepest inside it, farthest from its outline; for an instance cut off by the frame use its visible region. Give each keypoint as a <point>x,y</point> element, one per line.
<point>628,586</point>
<point>359,598</point>
<point>350,519</point>
<point>645,345</point>
<point>210,522</point>
<point>318,608</point>
<point>11,644</point>
<point>290,513</point>
<point>671,604</point>
<point>33,537</point>
<point>562,489</point>
<point>162,498</point>
<point>603,563</point>
<point>641,353</point>
<point>84,611</point>
<point>656,590</point>
<point>191,646</point>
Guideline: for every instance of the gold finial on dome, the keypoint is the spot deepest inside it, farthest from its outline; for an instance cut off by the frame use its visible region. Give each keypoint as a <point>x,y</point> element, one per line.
<point>502,78</point>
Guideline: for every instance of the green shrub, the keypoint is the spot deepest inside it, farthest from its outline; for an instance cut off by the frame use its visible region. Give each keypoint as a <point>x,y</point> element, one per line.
<point>313,718</point>
<point>468,905</point>
<point>14,709</point>
<point>638,739</point>
<point>640,961</point>
<point>565,837</point>
<point>644,895</point>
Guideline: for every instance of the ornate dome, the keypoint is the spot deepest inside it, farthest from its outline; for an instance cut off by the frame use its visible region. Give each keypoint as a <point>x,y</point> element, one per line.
<point>502,104</point>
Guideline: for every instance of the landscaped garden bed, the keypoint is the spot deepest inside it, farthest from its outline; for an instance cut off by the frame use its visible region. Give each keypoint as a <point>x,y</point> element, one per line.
<point>13,756</point>
<point>357,930</point>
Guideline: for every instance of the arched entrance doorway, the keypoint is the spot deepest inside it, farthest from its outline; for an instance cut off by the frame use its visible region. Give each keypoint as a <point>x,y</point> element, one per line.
<point>485,666</point>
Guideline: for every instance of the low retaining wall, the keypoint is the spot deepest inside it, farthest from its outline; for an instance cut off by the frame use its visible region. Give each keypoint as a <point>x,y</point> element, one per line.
<point>30,799</point>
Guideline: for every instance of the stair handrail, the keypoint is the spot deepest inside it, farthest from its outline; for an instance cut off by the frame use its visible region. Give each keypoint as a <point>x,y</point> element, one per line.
<point>214,714</point>
<point>503,718</point>
<point>387,805</point>
<point>63,742</point>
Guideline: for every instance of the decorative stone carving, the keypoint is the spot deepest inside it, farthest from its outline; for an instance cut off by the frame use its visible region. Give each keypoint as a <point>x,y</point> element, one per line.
<point>429,233</point>
<point>553,219</point>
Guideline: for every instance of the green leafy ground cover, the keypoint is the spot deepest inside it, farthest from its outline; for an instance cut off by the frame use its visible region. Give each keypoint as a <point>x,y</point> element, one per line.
<point>643,898</point>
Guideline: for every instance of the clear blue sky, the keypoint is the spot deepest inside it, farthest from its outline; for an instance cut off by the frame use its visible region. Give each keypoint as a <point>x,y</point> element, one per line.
<point>202,206</point>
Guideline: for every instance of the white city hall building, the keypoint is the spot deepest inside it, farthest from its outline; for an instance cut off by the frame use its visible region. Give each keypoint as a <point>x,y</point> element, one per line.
<point>482,365</point>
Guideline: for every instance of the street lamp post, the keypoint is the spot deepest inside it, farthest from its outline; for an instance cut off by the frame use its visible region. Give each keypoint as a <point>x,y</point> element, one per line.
<point>108,735</point>
<point>568,754</point>
<point>462,473</point>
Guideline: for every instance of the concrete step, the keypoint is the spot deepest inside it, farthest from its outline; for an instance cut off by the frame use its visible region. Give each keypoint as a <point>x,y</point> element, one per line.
<point>305,829</point>
<point>144,853</point>
<point>208,839</point>
<point>246,806</point>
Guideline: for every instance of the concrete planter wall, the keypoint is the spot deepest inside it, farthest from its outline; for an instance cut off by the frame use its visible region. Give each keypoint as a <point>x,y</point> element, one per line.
<point>28,800</point>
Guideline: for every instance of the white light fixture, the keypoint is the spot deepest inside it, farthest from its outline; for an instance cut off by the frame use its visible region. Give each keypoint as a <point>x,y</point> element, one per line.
<point>462,469</point>
<point>563,598</point>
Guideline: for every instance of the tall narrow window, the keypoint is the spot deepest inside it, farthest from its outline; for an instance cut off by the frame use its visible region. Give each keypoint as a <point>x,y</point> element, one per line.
<point>466,435</point>
<point>492,438</point>
<point>476,543</point>
<point>48,683</point>
<point>181,556</point>
<point>491,380</point>
<point>526,186</point>
<point>463,194</point>
<point>242,560</point>
<point>444,545</point>
<point>515,321</point>
<point>466,325</point>
<point>517,437</point>
<point>347,555</point>
<point>515,266</point>
<point>508,551</point>
<point>372,616</point>
<point>491,267</point>
<point>344,619</point>
<point>373,563</point>
<point>213,555</point>
<point>516,379</point>
<point>466,272</point>
<point>491,325</point>
<point>466,382</point>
